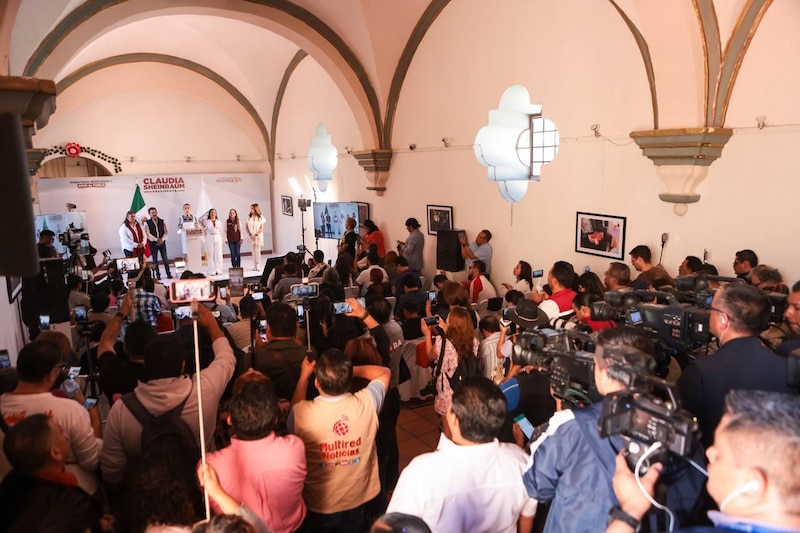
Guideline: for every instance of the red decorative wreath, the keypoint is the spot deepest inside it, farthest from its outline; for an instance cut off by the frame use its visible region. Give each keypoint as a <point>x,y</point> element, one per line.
<point>73,149</point>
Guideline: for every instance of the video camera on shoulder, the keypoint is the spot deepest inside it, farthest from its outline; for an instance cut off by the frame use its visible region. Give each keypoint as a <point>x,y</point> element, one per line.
<point>565,357</point>
<point>650,419</point>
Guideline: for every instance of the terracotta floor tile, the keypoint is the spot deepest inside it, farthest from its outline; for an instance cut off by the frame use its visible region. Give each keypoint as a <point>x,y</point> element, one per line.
<point>403,435</point>
<point>420,426</point>
<point>430,439</point>
<point>407,415</point>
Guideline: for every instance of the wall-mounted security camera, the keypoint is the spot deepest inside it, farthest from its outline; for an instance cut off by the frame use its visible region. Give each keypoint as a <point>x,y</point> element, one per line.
<point>412,147</point>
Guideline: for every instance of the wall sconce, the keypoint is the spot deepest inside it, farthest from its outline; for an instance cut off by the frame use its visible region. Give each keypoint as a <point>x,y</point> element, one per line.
<point>348,149</point>
<point>446,142</point>
<point>188,159</point>
<point>322,157</point>
<point>516,143</point>
<point>761,121</point>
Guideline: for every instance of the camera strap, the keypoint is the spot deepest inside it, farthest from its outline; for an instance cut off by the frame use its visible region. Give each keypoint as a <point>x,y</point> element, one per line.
<point>439,361</point>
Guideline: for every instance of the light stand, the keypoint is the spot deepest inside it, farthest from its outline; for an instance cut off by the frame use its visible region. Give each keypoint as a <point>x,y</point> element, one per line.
<point>303,204</point>
<point>314,192</point>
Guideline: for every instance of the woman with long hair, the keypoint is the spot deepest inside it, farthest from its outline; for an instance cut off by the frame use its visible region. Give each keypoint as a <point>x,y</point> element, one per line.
<point>582,305</point>
<point>213,243</point>
<point>590,282</point>
<point>255,229</point>
<point>233,237</point>
<point>346,268</point>
<point>523,273</point>
<point>460,341</point>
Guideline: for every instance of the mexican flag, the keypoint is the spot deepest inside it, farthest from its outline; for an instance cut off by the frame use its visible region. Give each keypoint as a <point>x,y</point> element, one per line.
<point>140,208</point>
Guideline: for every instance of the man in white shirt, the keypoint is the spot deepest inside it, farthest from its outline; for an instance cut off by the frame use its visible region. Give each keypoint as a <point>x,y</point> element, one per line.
<point>472,482</point>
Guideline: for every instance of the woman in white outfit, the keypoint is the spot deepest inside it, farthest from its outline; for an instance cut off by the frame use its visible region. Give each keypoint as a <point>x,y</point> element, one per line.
<point>214,230</point>
<point>186,221</point>
<point>255,229</point>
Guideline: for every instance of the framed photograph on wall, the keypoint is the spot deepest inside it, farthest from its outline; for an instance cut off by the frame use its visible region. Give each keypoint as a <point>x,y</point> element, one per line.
<point>439,217</point>
<point>363,211</point>
<point>602,235</point>
<point>286,206</point>
<point>14,284</point>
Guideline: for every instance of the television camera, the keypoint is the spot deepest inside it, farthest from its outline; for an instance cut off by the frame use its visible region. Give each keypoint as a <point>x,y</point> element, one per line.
<point>677,327</point>
<point>566,356</point>
<point>649,418</point>
<point>75,239</point>
<point>696,289</point>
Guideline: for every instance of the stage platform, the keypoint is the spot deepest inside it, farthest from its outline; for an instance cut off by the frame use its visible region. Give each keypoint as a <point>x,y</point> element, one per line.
<point>250,275</point>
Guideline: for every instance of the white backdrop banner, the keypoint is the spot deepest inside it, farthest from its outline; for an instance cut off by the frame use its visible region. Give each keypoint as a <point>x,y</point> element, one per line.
<point>106,200</point>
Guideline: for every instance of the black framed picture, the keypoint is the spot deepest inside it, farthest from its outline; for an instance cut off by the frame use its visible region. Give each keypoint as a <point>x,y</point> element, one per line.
<point>439,217</point>
<point>286,206</point>
<point>363,211</point>
<point>14,284</point>
<point>602,235</point>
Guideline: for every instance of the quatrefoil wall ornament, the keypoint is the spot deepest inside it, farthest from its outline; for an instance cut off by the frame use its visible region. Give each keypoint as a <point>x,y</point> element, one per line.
<point>504,145</point>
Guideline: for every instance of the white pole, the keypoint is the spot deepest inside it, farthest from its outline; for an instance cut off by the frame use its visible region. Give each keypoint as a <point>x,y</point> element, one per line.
<point>200,405</point>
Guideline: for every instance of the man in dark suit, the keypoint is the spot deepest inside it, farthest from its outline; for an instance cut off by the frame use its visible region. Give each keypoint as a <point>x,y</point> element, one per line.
<point>739,313</point>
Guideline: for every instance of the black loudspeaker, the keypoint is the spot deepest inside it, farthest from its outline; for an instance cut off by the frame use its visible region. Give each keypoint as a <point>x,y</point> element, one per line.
<point>20,256</point>
<point>448,250</point>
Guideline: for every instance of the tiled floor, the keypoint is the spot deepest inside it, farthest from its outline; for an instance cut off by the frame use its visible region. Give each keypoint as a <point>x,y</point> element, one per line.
<point>417,432</point>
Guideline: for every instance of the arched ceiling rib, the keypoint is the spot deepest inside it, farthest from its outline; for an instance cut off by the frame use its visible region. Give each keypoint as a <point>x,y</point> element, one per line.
<point>95,17</point>
<point>87,70</point>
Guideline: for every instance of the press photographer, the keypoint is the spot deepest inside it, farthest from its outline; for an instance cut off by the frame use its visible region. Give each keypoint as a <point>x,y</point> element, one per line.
<point>751,469</point>
<point>572,465</point>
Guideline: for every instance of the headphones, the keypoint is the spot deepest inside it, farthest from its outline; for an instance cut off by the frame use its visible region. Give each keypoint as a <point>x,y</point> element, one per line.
<point>748,488</point>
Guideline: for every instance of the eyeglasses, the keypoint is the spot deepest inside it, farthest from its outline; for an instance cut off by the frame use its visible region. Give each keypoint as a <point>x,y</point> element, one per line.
<point>718,310</point>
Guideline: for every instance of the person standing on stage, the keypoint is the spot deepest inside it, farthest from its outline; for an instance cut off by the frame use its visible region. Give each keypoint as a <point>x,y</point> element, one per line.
<point>255,229</point>
<point>214,243</point>
<point>131,236</point>
<point>234,238</point>
<point>186,221</point>
<point>157,235</point>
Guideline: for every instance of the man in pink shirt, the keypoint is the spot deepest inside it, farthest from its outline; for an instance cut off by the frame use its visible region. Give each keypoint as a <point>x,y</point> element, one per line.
<point>260,469</point>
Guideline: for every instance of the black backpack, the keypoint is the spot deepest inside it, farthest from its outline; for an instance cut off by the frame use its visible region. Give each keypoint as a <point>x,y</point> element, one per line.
<point>168,440</point>
<point>468,367</point>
